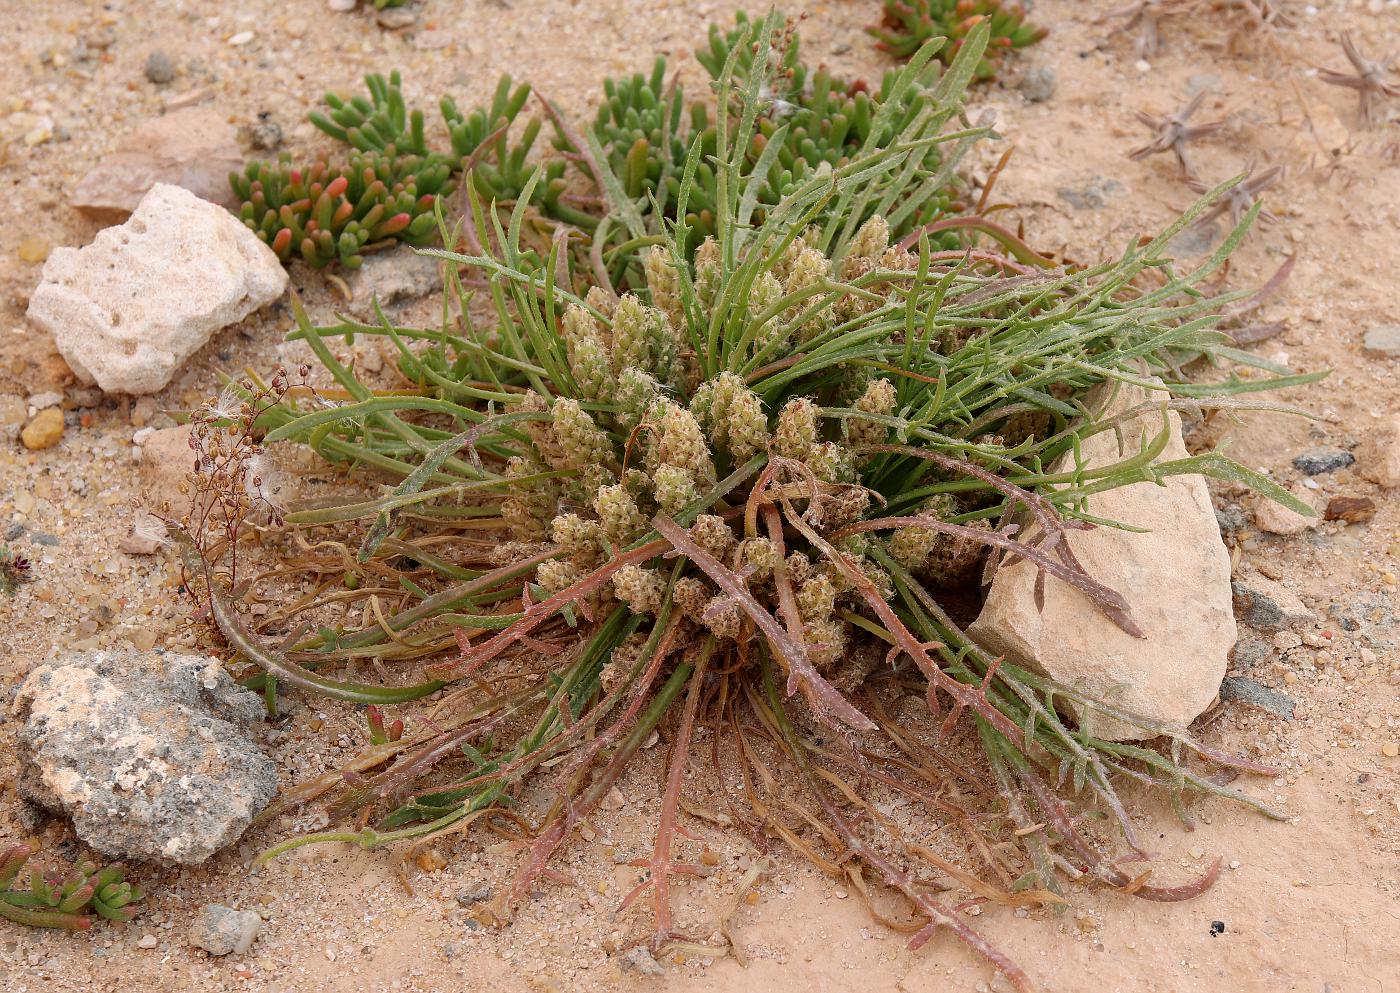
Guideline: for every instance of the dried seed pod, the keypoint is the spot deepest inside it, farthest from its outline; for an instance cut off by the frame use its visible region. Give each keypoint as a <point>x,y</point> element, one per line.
<point>713,535</point>
<point>797,432</point>
<point>879,398</point>
<point>619,514</point>
<point>642,590</point>
<point>674,489</point>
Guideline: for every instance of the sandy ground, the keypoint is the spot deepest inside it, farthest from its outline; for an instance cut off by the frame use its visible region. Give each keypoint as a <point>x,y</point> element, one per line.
<point>1307,905</point>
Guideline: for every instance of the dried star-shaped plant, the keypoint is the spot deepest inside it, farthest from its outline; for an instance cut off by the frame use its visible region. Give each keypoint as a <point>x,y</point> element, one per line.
<point>1172,132</point>
<point>1369,80</point>
<point>1145,16</point>
<point>1242,197</point>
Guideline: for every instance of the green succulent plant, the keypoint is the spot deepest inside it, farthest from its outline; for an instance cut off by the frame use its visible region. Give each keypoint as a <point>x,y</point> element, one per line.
<point>806,122</point>
<point>72,901</point>
<point>324,214</point>
<point>908,24</point>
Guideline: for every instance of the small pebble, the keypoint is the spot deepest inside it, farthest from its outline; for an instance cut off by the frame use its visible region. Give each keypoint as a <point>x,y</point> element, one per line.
<point>396,18</point>
<point>1382,342</point>
<point>1316,461</point>
<point>220,930</point>
<point>1391,749</point>
<point>1352,510</point>
<point>147,941</point>
<point>159,69</point>
<point>1038,84</point>
<point>240,39</point>
<point>44,431</point>
<point>33,250</point>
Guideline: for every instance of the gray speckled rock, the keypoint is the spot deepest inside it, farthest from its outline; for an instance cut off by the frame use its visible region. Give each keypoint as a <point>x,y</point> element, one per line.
<point>148,752</point>
<point>394,276</point>
<point>220,930</point>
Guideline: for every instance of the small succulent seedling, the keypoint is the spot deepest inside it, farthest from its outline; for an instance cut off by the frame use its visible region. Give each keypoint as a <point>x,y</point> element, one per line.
<point>1172,132</point>
<point>15,570</point>
<point>1369,80</point>
<point>72,901</point>
<point>908,24</point>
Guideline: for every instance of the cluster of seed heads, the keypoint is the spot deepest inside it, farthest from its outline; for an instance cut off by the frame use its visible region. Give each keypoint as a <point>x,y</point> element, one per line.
<point>625,448</point>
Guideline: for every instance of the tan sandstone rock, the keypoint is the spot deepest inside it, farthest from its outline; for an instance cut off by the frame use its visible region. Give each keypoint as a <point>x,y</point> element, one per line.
<point>193,148</point>
<point>1378,457</point>
<point>1175,576</point>
<point>1274,518</point>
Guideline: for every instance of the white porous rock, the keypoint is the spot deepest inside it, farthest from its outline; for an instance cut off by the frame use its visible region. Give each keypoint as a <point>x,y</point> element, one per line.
<point>128,309</point>
<point>1175,577</point>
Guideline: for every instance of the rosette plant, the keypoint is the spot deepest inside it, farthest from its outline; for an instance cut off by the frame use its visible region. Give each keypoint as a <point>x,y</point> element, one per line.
<point>737,504</point>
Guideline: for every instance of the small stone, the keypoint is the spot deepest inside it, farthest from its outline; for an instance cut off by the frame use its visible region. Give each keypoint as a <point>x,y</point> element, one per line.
<point>475,894</point>
<point>150,753</point>
<point>1194,240</point>
<point>396,18</point>
<point>1248,691</point>
<point>1275,518</point>
<point>1382,342</point>
<point>1352,510</point>
<point>1176,576</point>
<point>1208,81</point>
<point>221,930</point>
<point>142,411</point>
<point>432,39</point>
<point>640,960</point>
<point>147,941</point>
<point>44,431</point>
<point>127,310</point>
<point>1316,461</point>
<point>1378,457</point>
<point>392,277</point>
<point>1391,749</point>
<point>1231,519</point>
<point>1249,653</point>
<point>1038,84</point>
<point>341,6</point>
<point>1286,641</point>
<point>241,39</point>
<point>263,135</point>
<point>194,148</point>
<point>1267,605</point>
<point>33,250</point>
<point>1093,194</point>
<point>159,69</point>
